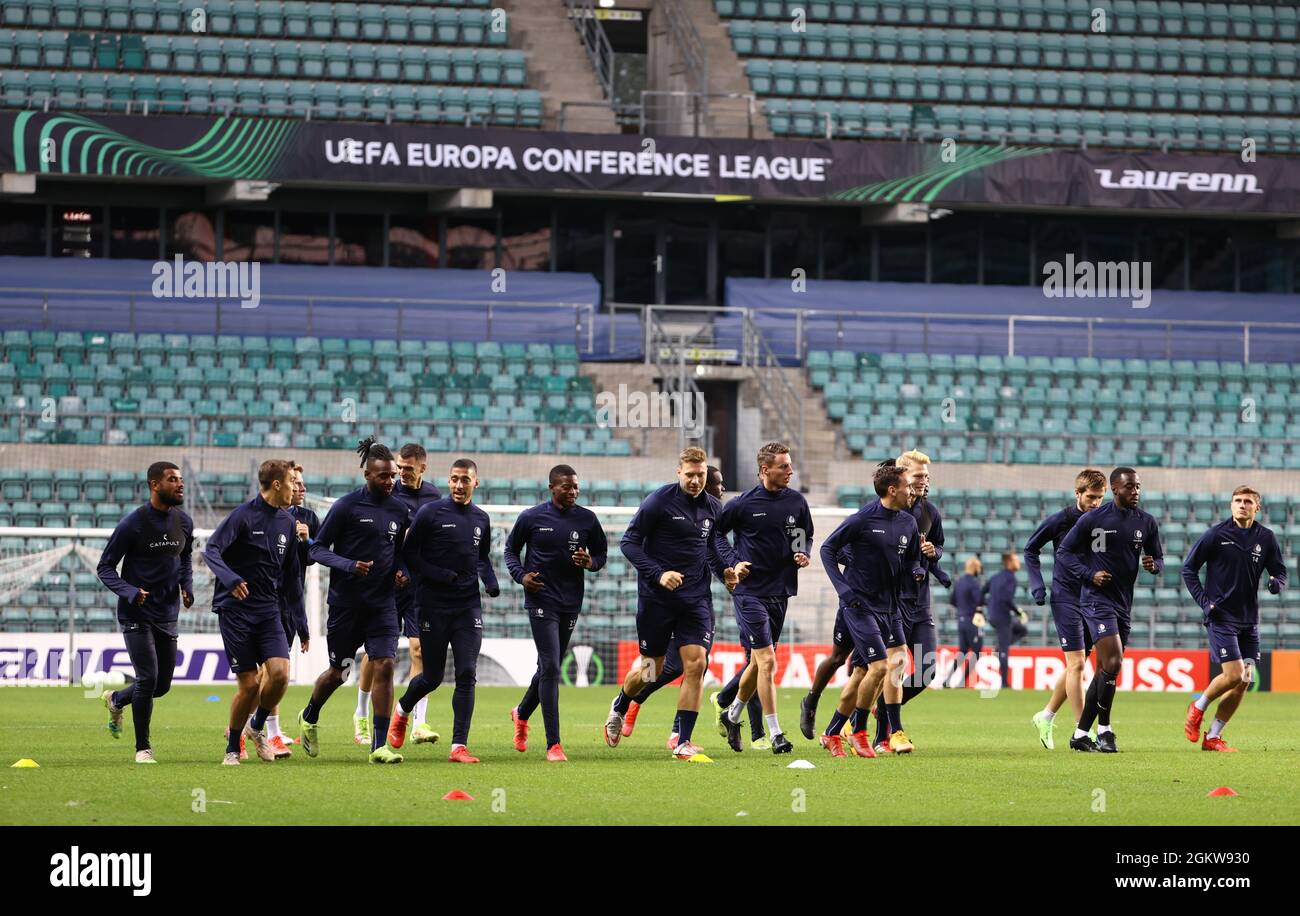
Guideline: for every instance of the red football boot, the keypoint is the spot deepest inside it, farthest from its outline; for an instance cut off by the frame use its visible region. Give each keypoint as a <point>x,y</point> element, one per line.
<point>521,730</point>
<point>460,755</point>
<point>555,754</point>
<point>834,744</point>
<point>860,743</point>
<point>629,720</point>
<point>397,729</point>
<point>1192,725</point>
<point>1216,744</point>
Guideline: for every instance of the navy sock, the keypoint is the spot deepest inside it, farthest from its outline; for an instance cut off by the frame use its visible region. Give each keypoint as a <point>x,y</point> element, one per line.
<point>727,695</point>
<point>685,724</point>
<point>232,741</point>
<point>259,718</point>
<point>122,698</point>
<point>895,713</point>
<point>677,724</point>
<point>621,703</point>
<point>837,723</point>
<point>311,712</point>
<point>882,720</point>
<point>859,719</point>
<point>379,733</point>
<point>755,711</point>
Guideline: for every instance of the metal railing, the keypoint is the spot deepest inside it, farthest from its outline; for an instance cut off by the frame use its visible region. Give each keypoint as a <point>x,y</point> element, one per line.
<point>668,112</point>
<point>775,389</point>
<point>829,329</point>
<point>157,315</point>
<point>202,431</point>
<point>582,13</point>
<point>666,351</point>
<point>1003,446</point>
<point>419,112</point>
<point>687,46</point>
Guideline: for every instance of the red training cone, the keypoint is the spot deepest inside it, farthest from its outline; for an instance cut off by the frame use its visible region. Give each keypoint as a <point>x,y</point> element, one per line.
<point>1221,792</point>
<point>458,795</point>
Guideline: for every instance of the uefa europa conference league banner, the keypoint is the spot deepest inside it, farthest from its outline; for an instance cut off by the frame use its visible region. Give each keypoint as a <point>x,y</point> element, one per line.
<point>287,151</point>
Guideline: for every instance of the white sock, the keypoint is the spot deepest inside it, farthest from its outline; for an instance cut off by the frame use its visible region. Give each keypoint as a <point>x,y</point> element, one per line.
<point>773,726</point>
<point>420,708</point>
<point>363,702</point>
<point>1203,702</point>
<point>454,746</point>
<point>273,726</point>
<point>735,709</point>
<point>1080,733</point>
<point>1103,729</point>
<point>1217,727</point>
<point>400,710</point>
<point>1048,715</point>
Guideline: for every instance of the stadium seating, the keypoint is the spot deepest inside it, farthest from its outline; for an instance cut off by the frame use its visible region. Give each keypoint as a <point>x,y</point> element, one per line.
<point>985,523</point>
<point>228,390</point>
<point>1062,410</point>
<point>442,63</point>
<point>1186,75</point>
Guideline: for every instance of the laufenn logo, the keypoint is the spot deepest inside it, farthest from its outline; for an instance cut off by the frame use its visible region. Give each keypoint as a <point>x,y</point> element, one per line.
<point>1150,180</point>
<point>181,279</point>
<point>103,869</point>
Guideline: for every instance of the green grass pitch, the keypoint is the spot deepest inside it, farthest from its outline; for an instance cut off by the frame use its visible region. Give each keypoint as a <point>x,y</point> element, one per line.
<point>978,761</point>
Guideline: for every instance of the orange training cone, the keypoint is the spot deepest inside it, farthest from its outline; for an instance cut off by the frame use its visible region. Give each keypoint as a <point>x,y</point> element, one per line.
<point>458,795</point>
<point>1221,792</point>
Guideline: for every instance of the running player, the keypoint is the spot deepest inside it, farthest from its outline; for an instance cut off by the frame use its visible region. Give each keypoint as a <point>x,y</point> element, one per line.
<point>1235,553</point>
<point>884,548</point>
<point>246,556</point>
<point>361,542</point>
<point>157,543</point>
<point>449,551</point>
<point>293,605</point>
<point>671,542</point>
<point>1102,551</point>
<point>561,540</point>
<point>714,486</point>
<point>774,533</point>
<point>919,632</point>
<point>413,490</point>
<point>1089,491</point>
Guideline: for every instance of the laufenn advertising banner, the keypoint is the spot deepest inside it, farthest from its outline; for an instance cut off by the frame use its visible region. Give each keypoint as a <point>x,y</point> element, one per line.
<point>291,151</point>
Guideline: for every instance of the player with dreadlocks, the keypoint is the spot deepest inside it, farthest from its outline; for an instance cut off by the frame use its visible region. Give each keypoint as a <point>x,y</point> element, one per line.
<point>361,542</point>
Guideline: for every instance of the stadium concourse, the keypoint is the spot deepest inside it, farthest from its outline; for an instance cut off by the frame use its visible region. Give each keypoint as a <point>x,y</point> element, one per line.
<point>1024,237</point>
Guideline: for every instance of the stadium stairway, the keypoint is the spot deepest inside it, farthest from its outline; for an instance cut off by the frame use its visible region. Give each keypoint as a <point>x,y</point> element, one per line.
<point>558,65</point>
<point>727,117</point>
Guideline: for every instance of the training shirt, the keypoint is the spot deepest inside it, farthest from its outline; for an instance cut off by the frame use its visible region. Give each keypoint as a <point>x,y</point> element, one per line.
<point>549,536</point>
<point>250,545</point>
<point>362,526</point>
<point>158,550</point>
<point>1112,539</point>
<point>1234,559</point>
<point>768,526</point>
<point>884,546</point>
<point>449,551</point>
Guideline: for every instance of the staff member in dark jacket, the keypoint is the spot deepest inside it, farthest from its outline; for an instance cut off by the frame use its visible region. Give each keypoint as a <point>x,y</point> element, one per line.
<point>999,597</point>
<point>967,597</point>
